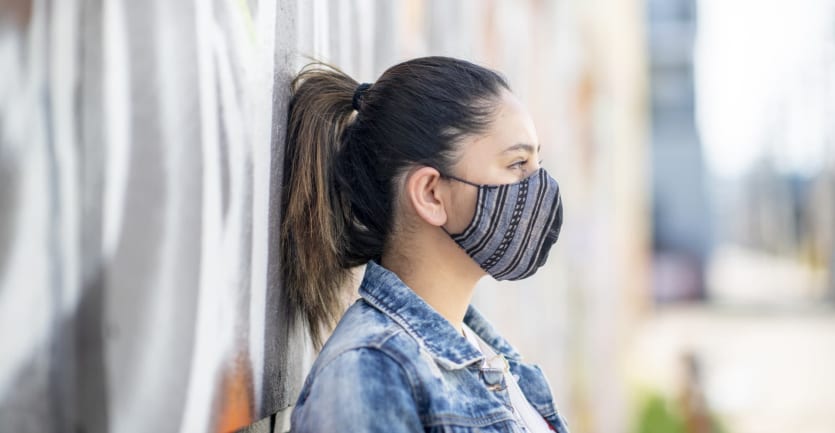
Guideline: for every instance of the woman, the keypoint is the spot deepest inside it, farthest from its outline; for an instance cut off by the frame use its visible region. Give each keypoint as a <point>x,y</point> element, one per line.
<point>430,177</point>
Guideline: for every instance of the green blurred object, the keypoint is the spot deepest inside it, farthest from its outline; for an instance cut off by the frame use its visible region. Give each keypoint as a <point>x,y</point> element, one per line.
<point>656,416</point>
<point>662,415</point>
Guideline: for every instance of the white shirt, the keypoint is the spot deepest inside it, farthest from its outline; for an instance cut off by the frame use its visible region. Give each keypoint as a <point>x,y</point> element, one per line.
<point>528,418</point>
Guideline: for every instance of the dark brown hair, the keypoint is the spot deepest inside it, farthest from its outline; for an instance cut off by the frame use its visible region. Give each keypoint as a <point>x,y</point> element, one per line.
<point>340,165</point>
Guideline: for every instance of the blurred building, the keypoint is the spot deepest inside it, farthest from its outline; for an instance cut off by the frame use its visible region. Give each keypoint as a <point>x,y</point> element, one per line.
<point>765,110</point>
<point>681,220</point>
<point>743,142</point>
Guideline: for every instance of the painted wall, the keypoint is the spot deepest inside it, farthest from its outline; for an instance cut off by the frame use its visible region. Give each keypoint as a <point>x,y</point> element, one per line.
<point>140,143</point>
<point>138,148</point>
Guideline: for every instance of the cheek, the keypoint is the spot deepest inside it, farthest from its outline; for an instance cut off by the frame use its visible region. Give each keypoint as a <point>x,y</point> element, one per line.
<point>463,208</point>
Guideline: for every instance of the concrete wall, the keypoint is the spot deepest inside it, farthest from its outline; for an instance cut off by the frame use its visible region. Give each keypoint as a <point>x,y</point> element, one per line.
<point>140,143</point>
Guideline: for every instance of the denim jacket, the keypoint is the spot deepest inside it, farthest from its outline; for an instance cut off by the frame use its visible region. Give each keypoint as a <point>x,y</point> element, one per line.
<point>393,364</point>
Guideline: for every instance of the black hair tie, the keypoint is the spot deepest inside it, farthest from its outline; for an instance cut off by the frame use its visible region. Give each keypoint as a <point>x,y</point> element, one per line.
<point>355,102</point>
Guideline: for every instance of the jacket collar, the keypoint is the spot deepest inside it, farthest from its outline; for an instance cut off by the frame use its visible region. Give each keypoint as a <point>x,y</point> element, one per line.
<point>385,291</point>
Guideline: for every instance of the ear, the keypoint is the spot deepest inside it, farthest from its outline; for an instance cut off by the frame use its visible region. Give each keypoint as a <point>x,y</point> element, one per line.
<point>423,190</point>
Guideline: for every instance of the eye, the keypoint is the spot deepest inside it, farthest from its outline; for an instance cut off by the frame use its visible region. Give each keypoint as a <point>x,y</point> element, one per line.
<point>518,165</point>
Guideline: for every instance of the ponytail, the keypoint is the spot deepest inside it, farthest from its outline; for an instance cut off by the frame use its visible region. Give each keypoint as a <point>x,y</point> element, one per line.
<point>340,166</point>
<point>313,223</point>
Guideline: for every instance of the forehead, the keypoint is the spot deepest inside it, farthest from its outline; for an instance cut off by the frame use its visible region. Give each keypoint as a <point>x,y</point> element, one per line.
<point>512,130</point>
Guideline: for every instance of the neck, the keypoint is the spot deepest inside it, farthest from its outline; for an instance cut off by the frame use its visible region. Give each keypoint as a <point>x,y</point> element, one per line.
<point>438,271</point>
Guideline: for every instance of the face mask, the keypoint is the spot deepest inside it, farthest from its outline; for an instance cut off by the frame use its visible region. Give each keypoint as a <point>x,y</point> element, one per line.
<point>514,226</point>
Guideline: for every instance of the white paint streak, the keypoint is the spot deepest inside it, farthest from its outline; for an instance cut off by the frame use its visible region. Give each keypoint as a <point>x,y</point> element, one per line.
<point>232,228</point>
<point>207,348</point>
<point>63,79</point>
<point>117,128</point>
<point>24,284</point>
<point>345,30</point>
<point>321,33</point>
<point>151,373</point>
<point>365,16</point>
<point>260,110</point>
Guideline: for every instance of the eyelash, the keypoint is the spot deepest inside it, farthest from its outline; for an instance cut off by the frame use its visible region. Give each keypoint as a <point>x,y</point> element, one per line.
<point>519,164</point>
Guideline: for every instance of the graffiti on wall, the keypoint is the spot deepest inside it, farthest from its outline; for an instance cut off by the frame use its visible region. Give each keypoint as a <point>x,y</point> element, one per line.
<point>137,164</point>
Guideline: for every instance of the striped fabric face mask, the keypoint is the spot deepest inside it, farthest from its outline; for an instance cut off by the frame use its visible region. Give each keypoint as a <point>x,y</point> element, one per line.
<point>514,225</point>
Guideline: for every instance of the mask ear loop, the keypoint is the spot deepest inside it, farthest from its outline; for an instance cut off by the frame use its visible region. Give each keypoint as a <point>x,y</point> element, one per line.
<point>460,180</point>
<point>449,176</point>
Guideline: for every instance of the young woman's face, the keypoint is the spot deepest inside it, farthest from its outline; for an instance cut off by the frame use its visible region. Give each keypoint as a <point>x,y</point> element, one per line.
<point>508,152</point>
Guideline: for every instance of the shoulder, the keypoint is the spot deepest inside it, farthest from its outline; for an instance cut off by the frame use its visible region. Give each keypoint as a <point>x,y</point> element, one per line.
<point>366,332</point>
<point>361,389</point>
<point>362,378</point>
<point>364,371</point>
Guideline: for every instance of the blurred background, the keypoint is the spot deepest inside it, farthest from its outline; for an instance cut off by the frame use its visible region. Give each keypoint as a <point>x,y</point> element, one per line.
<point>692,289</point>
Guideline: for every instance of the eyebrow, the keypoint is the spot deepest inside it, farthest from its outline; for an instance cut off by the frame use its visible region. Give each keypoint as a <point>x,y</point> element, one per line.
<point>522,146</point>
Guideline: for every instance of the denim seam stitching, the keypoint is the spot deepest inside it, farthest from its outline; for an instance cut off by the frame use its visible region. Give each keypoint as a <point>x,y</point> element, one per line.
<point>400,321</point>
<point>395,355</point>
<point>464,421</point>
<point>333,357</point>
<point>381,350</point>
